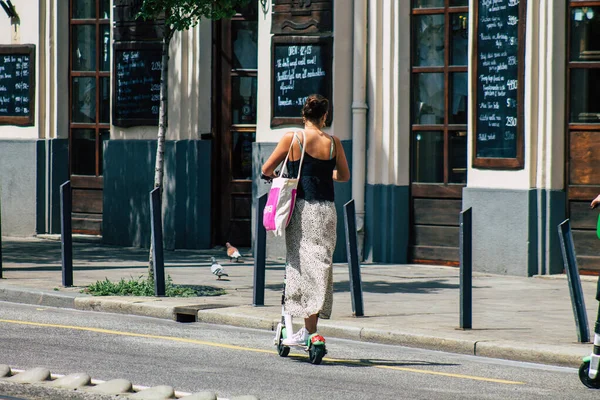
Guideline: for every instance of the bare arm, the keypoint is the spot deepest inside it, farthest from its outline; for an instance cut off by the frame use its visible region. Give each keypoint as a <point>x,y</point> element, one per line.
<point>341,172</point>
<point>278,155</point>
<point>595,202</point>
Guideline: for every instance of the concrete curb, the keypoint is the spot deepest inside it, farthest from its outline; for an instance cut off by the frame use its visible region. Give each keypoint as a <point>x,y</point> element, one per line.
<point>329,329</point>
<point>145,308</point>
<point>237,319</point>
<point>552,355</point>
<point>460,346</point>
<point>37,297</point>
<point>148,307</point>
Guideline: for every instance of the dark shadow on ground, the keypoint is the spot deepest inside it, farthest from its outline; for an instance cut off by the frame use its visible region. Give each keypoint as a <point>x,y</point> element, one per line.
<point>375,362</point>
<point>107,267</point>
<point>48,252</point>
<point>428,286</point>
<point>418,287</point>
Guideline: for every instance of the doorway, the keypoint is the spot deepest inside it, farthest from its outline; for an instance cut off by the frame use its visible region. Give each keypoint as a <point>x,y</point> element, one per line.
<point>438,128</point>
<point>89,108</point>
<point>583,129</point>
<point>234,88</point>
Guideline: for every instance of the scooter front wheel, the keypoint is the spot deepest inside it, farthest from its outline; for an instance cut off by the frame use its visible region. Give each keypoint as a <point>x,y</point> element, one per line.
<point>316,354</point>
<point>584,377</point>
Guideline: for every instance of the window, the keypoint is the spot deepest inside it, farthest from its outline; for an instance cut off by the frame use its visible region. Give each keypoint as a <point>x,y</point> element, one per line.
<point>583,127</point>
<point>584,64</point>
<point>89,84</point>
<point>439,91</point>
<point>583,105</point>
<point>243,75</point>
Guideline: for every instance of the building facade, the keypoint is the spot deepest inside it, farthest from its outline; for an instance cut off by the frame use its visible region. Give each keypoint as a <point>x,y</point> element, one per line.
<point>441,105</point>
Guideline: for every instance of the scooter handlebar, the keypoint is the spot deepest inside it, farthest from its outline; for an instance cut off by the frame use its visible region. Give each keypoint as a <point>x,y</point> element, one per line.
<point>266,178</point>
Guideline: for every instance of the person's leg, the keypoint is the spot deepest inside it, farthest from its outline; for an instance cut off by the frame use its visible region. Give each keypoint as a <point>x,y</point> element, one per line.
<point>310,323</point>
<point>300,337</point>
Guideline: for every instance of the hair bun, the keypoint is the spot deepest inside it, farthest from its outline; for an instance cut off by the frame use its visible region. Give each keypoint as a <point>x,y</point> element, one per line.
<point>315,107</point>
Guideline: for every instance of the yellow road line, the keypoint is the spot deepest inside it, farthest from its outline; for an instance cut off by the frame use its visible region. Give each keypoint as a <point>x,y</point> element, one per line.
<point>232,347</point>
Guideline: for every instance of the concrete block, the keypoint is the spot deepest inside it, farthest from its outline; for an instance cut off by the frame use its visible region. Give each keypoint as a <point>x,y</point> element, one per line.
<point>33,375</point>
<point>155,393</point>
<point>201,396</point>
<point>115,386</point>
<point>73,381</point>
<point>247,397</point>
<point>4,370</point>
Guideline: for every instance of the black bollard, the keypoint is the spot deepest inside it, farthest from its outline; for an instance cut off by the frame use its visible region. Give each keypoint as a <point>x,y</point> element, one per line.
<point>260,250</point>
<point>570,261</point>
<point>466,269</point>
<point>353,263</point>
<point>66,233</point>
<point>157,242</point>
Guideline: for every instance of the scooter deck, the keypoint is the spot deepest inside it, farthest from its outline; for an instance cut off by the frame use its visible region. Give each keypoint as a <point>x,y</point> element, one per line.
<point>297,346</point>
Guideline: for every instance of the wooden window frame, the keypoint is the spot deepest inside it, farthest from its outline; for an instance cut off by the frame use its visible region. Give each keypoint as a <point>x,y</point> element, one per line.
<point>97,74</point>
<point>232,72</point>
<point>29,50</point>
<point>443,189</point>
<point>225,187</point>
<point>517,162</point>
<point>571,65</point>
<point>576,192</point>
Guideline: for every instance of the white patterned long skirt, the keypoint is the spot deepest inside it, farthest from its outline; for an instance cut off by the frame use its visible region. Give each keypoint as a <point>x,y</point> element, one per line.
<point>310,239</point>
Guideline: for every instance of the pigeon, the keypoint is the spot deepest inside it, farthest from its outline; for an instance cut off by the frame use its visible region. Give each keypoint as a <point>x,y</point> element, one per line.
<point>232,252</point>
<point>217,269</point>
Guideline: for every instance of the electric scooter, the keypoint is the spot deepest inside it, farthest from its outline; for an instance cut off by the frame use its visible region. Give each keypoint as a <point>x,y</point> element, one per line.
<point>315,344</point>
<point>588,371</point>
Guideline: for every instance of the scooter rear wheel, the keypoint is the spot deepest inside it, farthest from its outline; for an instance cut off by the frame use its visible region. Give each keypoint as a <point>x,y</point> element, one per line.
<point>585,378</point>
<point>282,350</point>
<point>316,354</point>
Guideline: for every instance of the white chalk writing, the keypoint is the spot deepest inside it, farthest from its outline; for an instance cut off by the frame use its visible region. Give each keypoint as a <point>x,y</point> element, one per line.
<point>15,85</point>
<point>497,77</point>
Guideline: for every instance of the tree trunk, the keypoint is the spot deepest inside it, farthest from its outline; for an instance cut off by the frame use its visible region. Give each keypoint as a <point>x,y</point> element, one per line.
<point>163,123</point>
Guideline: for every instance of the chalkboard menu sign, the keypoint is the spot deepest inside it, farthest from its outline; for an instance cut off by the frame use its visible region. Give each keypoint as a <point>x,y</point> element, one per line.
<point>499,81</point>
<point>136,94</point>
<point>17,84</point>
<point>301,67</point>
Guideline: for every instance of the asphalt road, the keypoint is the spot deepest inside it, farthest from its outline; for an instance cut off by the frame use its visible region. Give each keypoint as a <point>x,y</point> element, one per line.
<point>234,361</point>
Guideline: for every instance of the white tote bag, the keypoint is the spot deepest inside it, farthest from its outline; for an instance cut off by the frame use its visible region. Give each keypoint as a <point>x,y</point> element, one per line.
<point>282,196</point>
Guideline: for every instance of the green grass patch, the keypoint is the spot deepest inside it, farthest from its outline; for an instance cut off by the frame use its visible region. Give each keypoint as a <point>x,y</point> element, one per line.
<point>145,287</point>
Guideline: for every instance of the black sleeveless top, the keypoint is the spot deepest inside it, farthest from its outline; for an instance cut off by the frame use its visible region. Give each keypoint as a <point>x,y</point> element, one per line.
<point>316,181</point>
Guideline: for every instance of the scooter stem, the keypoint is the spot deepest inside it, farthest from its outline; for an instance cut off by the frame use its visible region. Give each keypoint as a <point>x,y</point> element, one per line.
<point>289,326</point>
<point>595,356</point>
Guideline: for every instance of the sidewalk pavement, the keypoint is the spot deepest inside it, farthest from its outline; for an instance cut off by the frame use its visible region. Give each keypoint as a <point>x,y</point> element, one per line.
<point>515,318</point>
